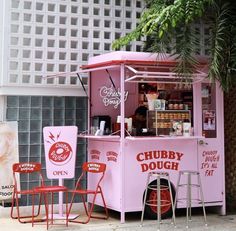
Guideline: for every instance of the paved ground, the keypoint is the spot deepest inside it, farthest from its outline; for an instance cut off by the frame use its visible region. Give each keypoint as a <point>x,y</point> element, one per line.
<point>215,223</point>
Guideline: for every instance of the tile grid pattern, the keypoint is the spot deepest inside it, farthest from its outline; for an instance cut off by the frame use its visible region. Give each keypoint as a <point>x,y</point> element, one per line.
<point>50,36</point>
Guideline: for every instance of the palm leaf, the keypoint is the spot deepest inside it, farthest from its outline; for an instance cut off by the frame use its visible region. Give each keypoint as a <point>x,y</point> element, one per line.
<point>223,48</point>
<point>161,21</point>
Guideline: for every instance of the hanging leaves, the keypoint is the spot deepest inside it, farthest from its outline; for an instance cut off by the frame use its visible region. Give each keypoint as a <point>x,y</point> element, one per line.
<point>165,20</point>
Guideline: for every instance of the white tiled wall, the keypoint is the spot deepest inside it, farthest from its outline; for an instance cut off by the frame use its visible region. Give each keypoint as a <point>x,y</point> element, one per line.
<point>44,37</point>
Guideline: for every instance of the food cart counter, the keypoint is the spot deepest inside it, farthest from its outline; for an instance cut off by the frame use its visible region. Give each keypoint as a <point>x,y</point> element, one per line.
<point>118,84</point>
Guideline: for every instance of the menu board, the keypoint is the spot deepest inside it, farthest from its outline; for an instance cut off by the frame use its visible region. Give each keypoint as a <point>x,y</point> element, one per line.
<point>209,120</point>
<point>209,110</point>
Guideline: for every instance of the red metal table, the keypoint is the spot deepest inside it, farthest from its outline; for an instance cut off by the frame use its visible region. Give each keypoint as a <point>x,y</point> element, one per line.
<point>45,190</point>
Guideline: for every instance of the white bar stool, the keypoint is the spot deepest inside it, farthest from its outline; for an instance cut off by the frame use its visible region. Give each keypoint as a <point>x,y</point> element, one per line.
<point>189,199</point>
<point>159,202</point>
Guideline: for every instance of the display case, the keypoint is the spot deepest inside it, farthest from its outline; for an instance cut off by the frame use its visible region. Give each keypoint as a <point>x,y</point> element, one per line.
<point>167,122</point>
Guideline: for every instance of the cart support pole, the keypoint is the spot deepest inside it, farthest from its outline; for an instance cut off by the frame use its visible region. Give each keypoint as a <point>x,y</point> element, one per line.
<point>122,134</point>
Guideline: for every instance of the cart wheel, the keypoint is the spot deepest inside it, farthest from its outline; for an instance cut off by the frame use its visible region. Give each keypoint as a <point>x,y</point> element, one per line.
<point>166,211</point>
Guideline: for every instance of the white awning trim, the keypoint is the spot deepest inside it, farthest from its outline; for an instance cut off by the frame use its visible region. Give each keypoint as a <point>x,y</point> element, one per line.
<point>160,74</point>
<point>141,73</point>
<point>81,71</point>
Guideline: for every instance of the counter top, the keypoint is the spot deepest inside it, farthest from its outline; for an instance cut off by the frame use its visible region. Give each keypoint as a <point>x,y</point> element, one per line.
<point>116,137</point>
<point>105,137</point>
<point>163,137</point>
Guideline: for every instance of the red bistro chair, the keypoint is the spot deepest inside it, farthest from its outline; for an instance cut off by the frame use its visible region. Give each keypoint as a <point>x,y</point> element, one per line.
<point>27,168</point>
<point>98,170</point>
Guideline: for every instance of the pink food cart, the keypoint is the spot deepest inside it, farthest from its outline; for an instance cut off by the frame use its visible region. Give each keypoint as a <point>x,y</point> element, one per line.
<point>118,84</point>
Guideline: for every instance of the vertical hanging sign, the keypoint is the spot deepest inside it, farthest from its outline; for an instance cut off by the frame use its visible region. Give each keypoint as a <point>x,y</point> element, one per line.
<point>60,151</point>
<point>8,156</point>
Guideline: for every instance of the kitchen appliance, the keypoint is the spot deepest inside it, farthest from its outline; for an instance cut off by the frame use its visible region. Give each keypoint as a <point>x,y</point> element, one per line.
<point>96,120</point>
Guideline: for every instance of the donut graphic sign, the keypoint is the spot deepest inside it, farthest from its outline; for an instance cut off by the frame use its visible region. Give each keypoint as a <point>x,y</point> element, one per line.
<point>60,151</point>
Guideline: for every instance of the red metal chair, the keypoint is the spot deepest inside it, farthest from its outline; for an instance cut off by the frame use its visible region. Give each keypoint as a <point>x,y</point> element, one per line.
<point>26,169</point>
<point>98,171</point>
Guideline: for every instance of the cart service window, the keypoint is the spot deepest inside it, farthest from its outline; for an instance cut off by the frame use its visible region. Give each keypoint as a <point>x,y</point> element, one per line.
<point>208,110</point>
<point>169,106</point>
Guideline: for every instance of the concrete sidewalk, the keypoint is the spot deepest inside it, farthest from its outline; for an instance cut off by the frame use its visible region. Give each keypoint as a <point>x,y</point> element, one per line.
<point>215,223</point>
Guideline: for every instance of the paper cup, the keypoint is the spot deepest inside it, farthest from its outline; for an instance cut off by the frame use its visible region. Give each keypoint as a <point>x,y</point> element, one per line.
<point>150,104</point>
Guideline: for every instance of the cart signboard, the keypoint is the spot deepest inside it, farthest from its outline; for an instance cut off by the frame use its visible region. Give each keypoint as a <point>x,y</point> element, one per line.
<point>60,151</point>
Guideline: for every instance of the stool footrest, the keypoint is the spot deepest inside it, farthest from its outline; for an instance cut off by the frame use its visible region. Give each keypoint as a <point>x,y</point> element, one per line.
<point>192,199</point>
<point>194,185</point>
<point>154,187</point>
<point>154,203</point>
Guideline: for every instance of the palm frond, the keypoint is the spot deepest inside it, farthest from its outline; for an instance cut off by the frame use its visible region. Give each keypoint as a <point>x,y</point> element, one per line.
<point>186,42</point>
<point>220,57</point>
<point>163,16</point>
<point>162,20</point>
<point>148,15</point>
